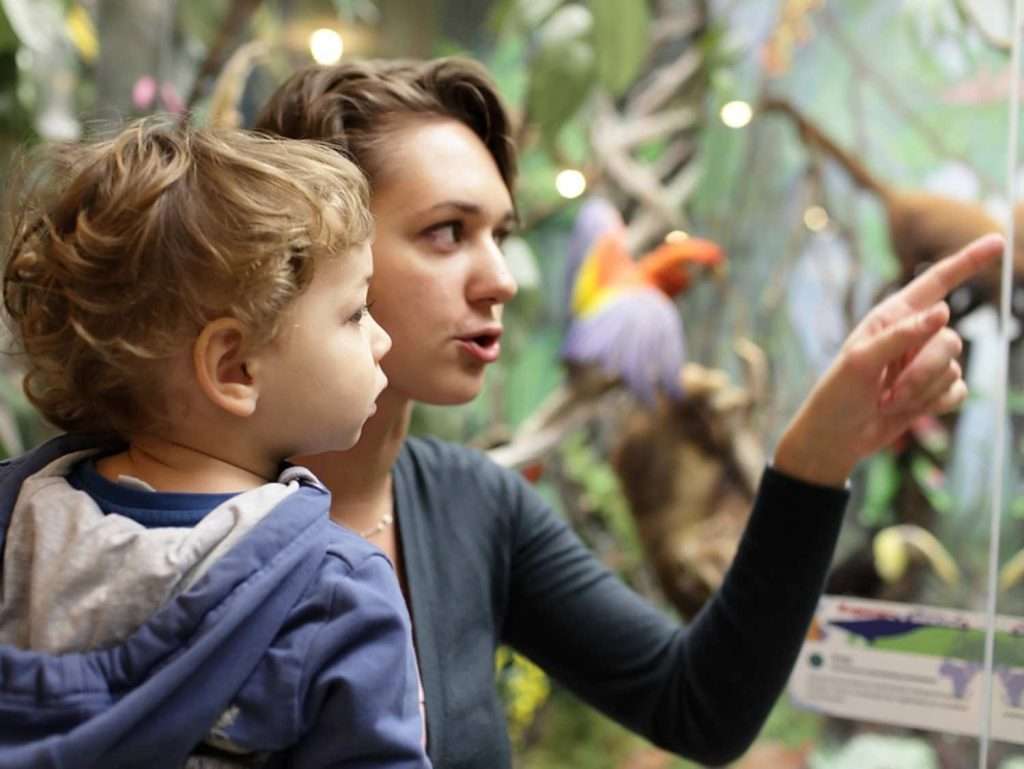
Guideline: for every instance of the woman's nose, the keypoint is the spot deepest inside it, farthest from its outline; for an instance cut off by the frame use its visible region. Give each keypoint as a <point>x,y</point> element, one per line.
<point>493,282</point>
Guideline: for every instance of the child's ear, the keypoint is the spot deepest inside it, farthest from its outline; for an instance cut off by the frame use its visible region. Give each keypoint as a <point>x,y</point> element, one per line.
<point>221,367</point>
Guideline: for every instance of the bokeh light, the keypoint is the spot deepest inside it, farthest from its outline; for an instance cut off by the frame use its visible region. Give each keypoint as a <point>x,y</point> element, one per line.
<point>736,114</point>
<point>816,218</point>
<point>326,46</point>
<point>570,183</point>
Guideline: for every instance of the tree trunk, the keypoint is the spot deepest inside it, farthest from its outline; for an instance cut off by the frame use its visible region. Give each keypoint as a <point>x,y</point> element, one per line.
<point>135,40</point>
<point>407,28</point>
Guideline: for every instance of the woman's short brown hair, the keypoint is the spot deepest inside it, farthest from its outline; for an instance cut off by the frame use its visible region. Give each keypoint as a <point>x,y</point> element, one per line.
<point>123,250</point>
<point>354,106</point>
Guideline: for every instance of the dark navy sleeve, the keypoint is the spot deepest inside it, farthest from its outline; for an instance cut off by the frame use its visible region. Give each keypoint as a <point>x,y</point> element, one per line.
<point>360,705</point>
<point>704,690</point>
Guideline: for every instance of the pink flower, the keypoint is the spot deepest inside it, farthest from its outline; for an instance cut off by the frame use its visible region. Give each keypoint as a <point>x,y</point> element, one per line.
<point>143,92</point>
<point>170,98</point>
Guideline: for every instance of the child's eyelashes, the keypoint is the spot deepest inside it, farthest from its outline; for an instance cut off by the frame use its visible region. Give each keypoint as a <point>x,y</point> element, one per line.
<point>362,313</point>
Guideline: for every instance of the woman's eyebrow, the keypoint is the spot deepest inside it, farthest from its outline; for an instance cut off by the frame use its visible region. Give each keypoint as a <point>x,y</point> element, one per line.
<point>473,209</point>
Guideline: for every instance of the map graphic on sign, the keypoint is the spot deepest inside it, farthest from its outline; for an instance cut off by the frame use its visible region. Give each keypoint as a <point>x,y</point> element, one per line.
<point>911,665</point>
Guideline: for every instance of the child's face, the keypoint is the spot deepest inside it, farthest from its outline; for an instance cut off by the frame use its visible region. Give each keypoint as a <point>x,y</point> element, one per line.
<point>321,375</point>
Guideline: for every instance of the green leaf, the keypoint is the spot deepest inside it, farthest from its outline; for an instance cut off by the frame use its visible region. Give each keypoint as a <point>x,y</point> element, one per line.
<point>201,19</point>
<point>1015,402</point>
<point>502,17</point>
<point>8,40</point>
<point>534,12</point>
<point>506,67</point>
<point>1017,508</point>
<point>532,374</point>
<point>930,480</point>
<point>570,22</point>
<point>621,39</point>
<point>882,483</point>
<point>560,79</point>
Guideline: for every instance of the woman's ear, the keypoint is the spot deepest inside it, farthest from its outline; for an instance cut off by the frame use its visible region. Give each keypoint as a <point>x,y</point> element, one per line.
<point>222,372</point>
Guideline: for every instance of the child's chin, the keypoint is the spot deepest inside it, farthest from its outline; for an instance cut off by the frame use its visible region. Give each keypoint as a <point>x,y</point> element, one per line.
<point>335,444</point>
<point>353,439</point>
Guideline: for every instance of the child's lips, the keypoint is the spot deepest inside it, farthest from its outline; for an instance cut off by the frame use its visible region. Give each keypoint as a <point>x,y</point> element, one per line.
<point>380,391</point>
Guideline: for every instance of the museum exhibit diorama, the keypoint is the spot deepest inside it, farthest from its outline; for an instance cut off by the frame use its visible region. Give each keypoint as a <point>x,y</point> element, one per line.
<point>711,195</point>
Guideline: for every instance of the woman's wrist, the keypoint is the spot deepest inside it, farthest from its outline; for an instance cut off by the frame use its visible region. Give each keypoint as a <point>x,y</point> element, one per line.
<point>812,459</point>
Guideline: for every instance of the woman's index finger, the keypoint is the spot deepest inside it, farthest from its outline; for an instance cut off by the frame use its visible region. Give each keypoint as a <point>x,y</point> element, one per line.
<point>945,275</point>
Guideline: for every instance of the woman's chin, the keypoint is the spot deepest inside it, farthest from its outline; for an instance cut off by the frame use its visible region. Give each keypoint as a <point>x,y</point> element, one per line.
<point>449,393</point>
<point>444,388</point>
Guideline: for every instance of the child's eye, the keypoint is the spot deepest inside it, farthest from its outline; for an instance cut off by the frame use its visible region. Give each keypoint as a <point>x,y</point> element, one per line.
<point>445,235</point>
<point>362,313</point>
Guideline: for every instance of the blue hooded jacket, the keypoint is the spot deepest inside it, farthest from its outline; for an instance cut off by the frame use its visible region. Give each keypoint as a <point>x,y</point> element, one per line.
<point>295,643</point>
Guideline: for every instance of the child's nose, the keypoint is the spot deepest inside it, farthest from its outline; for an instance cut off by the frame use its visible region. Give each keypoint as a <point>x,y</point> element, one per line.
<point>381,341</point>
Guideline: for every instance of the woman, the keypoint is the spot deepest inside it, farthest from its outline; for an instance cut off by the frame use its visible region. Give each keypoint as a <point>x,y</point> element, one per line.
<point>482,558</point>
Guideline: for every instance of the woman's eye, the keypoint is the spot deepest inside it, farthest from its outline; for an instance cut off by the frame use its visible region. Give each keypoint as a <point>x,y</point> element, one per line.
<point>445,235</point>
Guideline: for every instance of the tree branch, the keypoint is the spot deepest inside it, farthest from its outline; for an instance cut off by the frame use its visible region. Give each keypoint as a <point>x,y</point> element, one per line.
<point>969,17</point>
<point>629,134</point>
<point>933,137</point>
<point>235,19</point>
<point>665,83</point>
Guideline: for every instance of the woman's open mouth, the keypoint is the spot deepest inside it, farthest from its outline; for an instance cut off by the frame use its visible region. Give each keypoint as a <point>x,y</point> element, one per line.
<point>484,347</point>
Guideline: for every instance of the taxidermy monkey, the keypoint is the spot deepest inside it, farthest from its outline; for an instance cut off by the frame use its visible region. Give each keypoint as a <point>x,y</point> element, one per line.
<point>923,227</point>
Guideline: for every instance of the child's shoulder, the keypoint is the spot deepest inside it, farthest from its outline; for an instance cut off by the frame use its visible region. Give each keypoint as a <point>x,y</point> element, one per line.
<point>346,550</point>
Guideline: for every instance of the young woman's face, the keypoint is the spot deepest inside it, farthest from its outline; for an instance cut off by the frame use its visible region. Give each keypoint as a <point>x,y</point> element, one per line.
<point>440,279</point>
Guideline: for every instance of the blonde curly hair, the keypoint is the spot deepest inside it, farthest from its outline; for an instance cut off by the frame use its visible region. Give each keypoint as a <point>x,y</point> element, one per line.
<point>122,250</point>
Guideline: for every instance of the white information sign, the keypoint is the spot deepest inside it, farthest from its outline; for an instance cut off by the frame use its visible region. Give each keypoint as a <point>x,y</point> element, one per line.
<point>910,665</point>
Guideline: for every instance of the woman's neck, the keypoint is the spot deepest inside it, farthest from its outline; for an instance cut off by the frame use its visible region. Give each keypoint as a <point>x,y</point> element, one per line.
<point>360,479</point>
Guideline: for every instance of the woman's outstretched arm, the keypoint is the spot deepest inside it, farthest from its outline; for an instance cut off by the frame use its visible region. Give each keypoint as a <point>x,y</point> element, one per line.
<point>704,690</point>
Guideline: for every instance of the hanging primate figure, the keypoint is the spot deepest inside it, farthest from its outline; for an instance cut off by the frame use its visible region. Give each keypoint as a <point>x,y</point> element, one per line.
<point>923,227</point>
